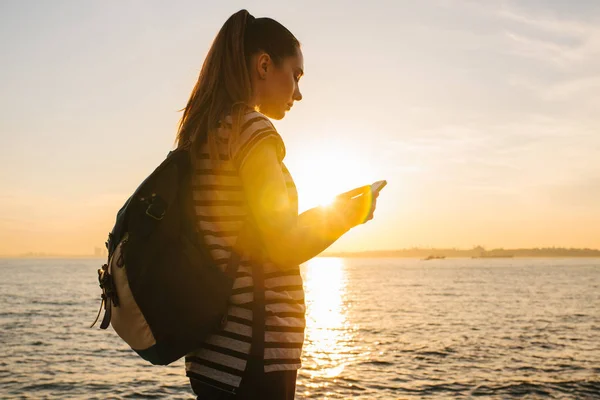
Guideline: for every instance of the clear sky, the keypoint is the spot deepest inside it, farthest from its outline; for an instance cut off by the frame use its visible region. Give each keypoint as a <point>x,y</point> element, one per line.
<point>483,116</point>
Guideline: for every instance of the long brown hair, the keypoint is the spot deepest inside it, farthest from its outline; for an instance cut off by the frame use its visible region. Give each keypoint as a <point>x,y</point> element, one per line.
<point>224,86</point>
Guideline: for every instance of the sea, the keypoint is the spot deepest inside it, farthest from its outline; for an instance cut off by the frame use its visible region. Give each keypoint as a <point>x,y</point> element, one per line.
<point>385,328</point>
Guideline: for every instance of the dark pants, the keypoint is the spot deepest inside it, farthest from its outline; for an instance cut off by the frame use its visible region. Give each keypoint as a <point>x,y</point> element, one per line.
<point>256,385</point>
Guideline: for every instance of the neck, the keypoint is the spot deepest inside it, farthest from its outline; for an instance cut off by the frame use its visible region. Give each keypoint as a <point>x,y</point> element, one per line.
<point>253,102</point>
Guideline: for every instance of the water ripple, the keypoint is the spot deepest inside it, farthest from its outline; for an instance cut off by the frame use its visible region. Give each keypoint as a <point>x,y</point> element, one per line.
<point>376,329</point>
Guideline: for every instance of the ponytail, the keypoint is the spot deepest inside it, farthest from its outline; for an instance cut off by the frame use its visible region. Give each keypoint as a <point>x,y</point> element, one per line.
<point>224,86</point>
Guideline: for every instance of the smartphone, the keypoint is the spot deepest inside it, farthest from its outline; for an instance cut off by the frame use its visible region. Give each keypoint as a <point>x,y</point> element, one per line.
<point>377,186</point>
<point>374,188</point>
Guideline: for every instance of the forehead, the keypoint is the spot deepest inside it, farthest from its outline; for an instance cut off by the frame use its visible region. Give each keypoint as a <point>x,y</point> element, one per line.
<point>296,61</point>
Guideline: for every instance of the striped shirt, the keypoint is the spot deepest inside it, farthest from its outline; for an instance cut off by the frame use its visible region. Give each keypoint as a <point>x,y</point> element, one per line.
<point>221,210</point>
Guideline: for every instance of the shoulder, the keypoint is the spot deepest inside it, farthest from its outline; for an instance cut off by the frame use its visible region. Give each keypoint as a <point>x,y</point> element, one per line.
<point>255,129</point>
<point>254,121</point>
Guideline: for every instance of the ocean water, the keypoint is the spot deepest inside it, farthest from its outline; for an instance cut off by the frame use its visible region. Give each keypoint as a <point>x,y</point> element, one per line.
<point>376,329</point>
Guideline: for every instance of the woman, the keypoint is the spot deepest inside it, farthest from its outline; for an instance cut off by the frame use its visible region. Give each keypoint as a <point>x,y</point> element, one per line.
<point>242,185</point>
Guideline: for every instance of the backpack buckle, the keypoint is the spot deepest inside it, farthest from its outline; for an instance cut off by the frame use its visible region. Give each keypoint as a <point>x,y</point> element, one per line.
<point>107,285</point>
<point>157,207</point>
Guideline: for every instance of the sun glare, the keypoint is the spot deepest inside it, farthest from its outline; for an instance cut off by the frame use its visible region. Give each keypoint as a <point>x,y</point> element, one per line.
<point>329,171</point>
<point>327,331</point>
<point>325,202</point>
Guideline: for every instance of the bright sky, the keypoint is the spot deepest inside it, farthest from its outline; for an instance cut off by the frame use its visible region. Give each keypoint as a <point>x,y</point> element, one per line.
<point>482,116</point>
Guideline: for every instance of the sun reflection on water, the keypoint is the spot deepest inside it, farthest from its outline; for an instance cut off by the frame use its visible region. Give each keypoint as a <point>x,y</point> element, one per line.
<point>328,346</point>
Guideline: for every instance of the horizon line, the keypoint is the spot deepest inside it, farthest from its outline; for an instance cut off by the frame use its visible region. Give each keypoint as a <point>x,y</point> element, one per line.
<point>32,254</point>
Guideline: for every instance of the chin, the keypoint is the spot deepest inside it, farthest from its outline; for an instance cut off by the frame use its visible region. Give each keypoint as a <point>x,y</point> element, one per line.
<point>274,113</point>
<point>279,116</point>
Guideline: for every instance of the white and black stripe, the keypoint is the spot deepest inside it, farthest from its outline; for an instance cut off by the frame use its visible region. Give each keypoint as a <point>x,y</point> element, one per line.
<point>221,211</point>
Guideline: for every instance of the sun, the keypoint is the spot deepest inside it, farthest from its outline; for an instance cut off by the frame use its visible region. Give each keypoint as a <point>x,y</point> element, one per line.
<point>328,171</point>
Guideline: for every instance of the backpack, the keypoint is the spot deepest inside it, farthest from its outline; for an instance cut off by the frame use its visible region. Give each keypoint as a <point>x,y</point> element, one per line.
<point>161,291</point>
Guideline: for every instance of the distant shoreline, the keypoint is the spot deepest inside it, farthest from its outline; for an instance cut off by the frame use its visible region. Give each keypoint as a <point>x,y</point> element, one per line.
<point>476,253</point>
<point>54,256</point>
<point>358,255</point>
<point>320,255</point>
<point>103,260</point>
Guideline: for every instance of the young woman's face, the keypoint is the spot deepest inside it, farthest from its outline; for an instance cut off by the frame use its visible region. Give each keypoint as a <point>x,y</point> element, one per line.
<point>276,86</point>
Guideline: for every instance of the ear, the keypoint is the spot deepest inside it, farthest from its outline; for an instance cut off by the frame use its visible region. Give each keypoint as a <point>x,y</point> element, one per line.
<point>263,64</point>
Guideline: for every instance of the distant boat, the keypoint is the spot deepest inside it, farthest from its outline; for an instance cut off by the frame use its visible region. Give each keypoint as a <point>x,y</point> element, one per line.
<point>432,257</point>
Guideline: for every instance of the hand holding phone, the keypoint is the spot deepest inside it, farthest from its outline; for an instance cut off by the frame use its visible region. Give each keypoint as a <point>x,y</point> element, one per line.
<point>377,186</point>
<point>374,188</point>
<point>357,207</point>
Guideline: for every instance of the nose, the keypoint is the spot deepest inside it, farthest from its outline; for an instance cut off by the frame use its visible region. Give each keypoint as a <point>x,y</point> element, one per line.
<point>297,94</point>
